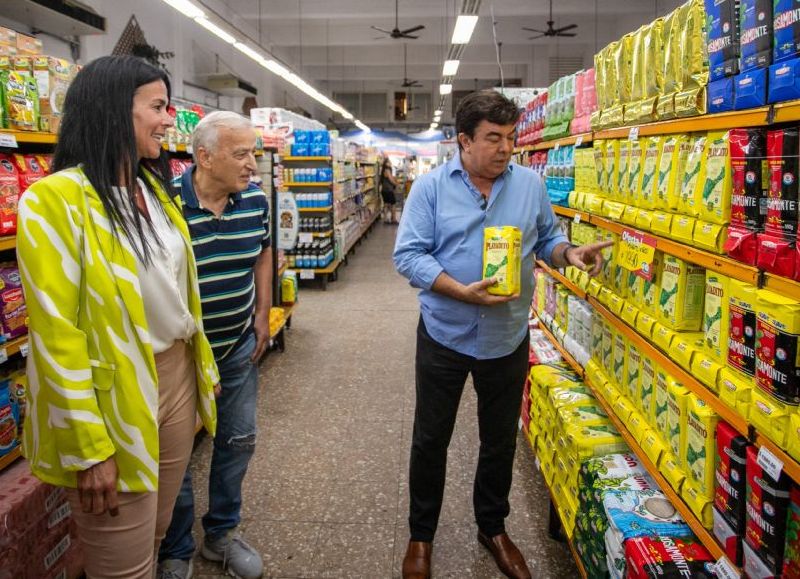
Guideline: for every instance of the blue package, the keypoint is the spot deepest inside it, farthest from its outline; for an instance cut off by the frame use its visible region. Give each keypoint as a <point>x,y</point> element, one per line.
<point>720,95</point>
<point>750,89</point>
<point>642,513</point>
<point>320,137</point>
<point>8,425</point>
<point>722,40</point>
<point>786,27</point>
<point>302,137</point>
<point>784,81</point>
<point>300,149</point>
<point>318,150</point>
<point>755,34</point>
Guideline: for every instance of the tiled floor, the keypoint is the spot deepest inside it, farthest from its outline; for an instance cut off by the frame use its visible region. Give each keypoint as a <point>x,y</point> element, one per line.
<point>326,493</point>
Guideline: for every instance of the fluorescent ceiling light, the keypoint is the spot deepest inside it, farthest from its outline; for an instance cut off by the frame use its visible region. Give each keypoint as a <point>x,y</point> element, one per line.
<point>437,112</point>
<point>450,67</point>
<point>363,127</point>
<point>252,53</point>
<point>215,30</point>
<point>186,8</point>
<point>347,115</point>
<point>437,115</point>
<point>434,125</point>
<point>445,89</point>
<point>465,24</point>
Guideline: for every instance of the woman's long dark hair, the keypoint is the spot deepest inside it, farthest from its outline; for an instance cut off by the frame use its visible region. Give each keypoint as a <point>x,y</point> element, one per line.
<point>97,133</point>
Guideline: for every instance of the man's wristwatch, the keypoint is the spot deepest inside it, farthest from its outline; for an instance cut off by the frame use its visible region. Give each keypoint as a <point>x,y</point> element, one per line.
<point>566,250</point>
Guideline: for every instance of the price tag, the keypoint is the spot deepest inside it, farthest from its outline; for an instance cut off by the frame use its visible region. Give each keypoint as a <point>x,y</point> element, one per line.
<point>726,570</point>
<point>633,135</point>
<point>579,141</point>
<point>558,146</point>
<point>637,252</point>
<point>23,349</point>
<point>3,355</point>
<point>306,274</point>
<point>171,147</point>
<point>8,140</point>
<point>771,464</point>
<point>306,238</point>
<point>577,218</point>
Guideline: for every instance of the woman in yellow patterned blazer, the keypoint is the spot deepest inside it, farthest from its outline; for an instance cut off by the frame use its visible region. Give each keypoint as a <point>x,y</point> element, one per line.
<point>118,365</point>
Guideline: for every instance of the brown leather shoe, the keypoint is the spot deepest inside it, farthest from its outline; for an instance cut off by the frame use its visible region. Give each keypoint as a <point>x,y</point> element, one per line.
<point>417,562</point>
<point>508,558</point>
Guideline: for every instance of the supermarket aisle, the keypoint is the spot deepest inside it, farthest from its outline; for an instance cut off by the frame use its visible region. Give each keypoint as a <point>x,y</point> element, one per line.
<point>326,494</point>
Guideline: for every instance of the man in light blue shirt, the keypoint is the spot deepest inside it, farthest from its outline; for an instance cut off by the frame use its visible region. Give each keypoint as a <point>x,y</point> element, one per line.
<point>464,329</point>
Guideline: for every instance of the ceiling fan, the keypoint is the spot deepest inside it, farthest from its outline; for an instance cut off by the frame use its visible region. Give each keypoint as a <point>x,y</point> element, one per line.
<point>396,32</point>
<point>551,31</point>
<point>407,83</point>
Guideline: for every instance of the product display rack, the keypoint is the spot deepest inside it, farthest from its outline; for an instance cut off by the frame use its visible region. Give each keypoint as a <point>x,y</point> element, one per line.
<point>703,534</point>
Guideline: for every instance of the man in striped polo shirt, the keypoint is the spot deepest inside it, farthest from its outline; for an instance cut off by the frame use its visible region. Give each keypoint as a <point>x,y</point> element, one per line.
<point>228,219</point>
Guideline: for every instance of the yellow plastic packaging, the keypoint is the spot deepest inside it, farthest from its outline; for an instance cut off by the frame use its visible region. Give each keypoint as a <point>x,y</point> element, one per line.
<point>671,33</point>
<point>645,324</point>
<point>672,471</point>
<point>699,503</point>
<point>596,441</point>
<point>600,81</point>
<point>599,154</point>
<point>681,298</point>
<point>692,102</point>
<point>695,163</point>
<point>621,191</point>
<point>663,336</point>
<point>770,416</point>
<point>694,50</point>
<point>623,408</point>
<point>683,229</point>
<point>685,346</point>
<point>661,223</point>
<point>629,313</point>
<point>633,381</point>
<point>608,348</point>
<point>635,166</point>
<point>653,446</point>
<point>611,74</point>
<point>637,425</point>
<point>677,405</point>
<point>706,370</point>
<point>644,219</point>
<point>735,390</point>
<point>660,404</point>
<point>620,368</point>
<point>793,447</point>
<point>701,431</point>
<point>502,259</point>
<point>646,193</point>
<point>646,388</point>
<point>716,317</point>
<point>710,236</point>
<point>674,152</point>
<point>611,160</point>
<point>622,61</point>
<point>637,66</point>
<point>713,190</point>
<point>651,288</point>
<point>652,70</point>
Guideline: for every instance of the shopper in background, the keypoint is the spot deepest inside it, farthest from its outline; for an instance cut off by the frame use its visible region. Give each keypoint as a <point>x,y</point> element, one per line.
<point>465,330</point>
<point>388,191</point>
<point>118,364</point>
<point>228,218</point>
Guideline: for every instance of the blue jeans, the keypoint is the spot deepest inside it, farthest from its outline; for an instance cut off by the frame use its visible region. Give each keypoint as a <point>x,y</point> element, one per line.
<point>234,444</point>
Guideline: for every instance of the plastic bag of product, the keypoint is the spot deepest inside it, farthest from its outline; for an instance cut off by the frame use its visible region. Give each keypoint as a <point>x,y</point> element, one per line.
<point>701,423</point>
<point>681,298</point>
<point>623,167</point>
<point>694,50</point>
<point>635,162</point>
<point>637,66</point>
<point>653,58</point>
<point>612,164</point>
<point>646,192</point>
<point>713,189</point>
<point>716,317</point>
<point>671,33</point>
<point>600,80</point>
<point>695,163</point>
<point>623,52</point>
<point>642,513</point>
<point>670,166</point>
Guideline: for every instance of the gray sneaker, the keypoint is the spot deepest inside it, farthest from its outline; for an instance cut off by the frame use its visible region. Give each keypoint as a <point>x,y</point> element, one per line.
<point>237,557</point>
<point>174,569</point>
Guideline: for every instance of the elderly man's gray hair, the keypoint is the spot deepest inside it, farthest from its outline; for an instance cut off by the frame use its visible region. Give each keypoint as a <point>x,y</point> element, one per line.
<point>206,133</point>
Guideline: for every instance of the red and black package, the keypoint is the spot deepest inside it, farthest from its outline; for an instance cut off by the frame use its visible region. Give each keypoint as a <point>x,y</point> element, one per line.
<point>782,156</point>
<point>9,195</point>
<point>667,558</point>
<point>750,177</point>
<point>731,463</point>
<point>767,506</point>
<point>30,170</point>
<point>776,254</point>
<point>777,372</point>
<point>742,245</point>
<point>742,335</point>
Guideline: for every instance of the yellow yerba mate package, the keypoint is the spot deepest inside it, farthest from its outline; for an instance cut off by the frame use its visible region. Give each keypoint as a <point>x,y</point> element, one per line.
<point>653,59</point>
<point>612,168</point>
<point>661,223</point>
<point>600,81</point>
<point>622,64</point>
<point>683,229</point>
<point>700,438</point>
<point>677,413</point>
<point>651,287</point>
<point>622,190</point>
<point>502,259</point>
<point>674,152</point>
<point>635,166</point>
<point>646,192</point>
<point>647,383</point>
<point>713,190</point>
<point>680,303</point>
<point>716,316</point>
<point>599,153</point>
<point>637,66</point>
<point>694,53</point>
<point>695,163</point>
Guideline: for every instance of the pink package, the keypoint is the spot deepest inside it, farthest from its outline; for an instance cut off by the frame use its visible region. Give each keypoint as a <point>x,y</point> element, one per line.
<point>13,312</point>
<point>589,93</point>
<point>580,81</point>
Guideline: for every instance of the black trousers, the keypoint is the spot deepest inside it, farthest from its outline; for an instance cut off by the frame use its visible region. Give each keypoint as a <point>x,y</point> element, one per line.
<point>440,376</point>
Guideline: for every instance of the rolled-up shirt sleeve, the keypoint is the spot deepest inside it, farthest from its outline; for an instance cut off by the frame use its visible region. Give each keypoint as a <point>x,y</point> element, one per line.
<point>550,234</point>
<point>415,238</point>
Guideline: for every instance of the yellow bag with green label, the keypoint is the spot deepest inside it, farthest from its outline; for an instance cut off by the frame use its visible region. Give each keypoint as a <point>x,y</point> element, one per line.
<point>502,259</point>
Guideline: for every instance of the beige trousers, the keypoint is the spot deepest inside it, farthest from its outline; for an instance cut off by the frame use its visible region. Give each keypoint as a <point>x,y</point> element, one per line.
<point>127,545</point>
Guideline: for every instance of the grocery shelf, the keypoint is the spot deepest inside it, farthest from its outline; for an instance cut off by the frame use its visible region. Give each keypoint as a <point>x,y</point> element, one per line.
<point>15,346</point>
<point>561,349</point>
<point>293,158</point>
<point>708,260</point>
<point>561,279</point>
<point>8,459</point>
<point>790,465</point>
<point>748,118</point>
<point>361,233</point>
<point>651,351</point>
<point>310,184</point>
<point>282,269</point>
<point>287,313</point>
<point>30,137</point>
<point>782,285</point>
<point>703,534</point>
<point>330,268</point>
<point>315,209</point>
<point>8,242</point>
<point>562,142</point>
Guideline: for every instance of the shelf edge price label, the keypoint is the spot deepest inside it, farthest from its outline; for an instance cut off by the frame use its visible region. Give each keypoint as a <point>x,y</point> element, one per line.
<point>637,252</point>
<point>771,464</point>
<point>171,147</point>
<point>306,274</point>
<point>23,349</point>
<point>8,140</point>
<point>3,355</point>
<point>189,149</point>
<point>577,218</point>
<point>579,141</point>
<point>306,238</point>
<point>633,135</point>
<point>725,570</point>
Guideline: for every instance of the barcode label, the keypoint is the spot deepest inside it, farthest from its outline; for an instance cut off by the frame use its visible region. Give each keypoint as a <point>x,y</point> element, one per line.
<point>725,570</point>
<point>633,135</point>
<point>23,349</point>
<point>58,551</point>
<point>59,515</point>
<point>53,498</point>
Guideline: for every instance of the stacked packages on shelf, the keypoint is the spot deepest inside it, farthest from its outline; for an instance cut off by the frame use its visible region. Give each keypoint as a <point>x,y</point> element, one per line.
<point>560,108</point>
<point>531,122</point>
<point>186,119</point>
<point>32,85</point>
<point>559,174</point>
<point>38,537</point>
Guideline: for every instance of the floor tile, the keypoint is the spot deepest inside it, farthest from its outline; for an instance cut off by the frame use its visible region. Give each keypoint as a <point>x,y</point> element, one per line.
<point>354,551</point>
<point>362,502</point>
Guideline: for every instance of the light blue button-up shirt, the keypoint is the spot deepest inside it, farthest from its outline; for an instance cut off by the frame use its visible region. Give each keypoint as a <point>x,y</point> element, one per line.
<point>442,231</point>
